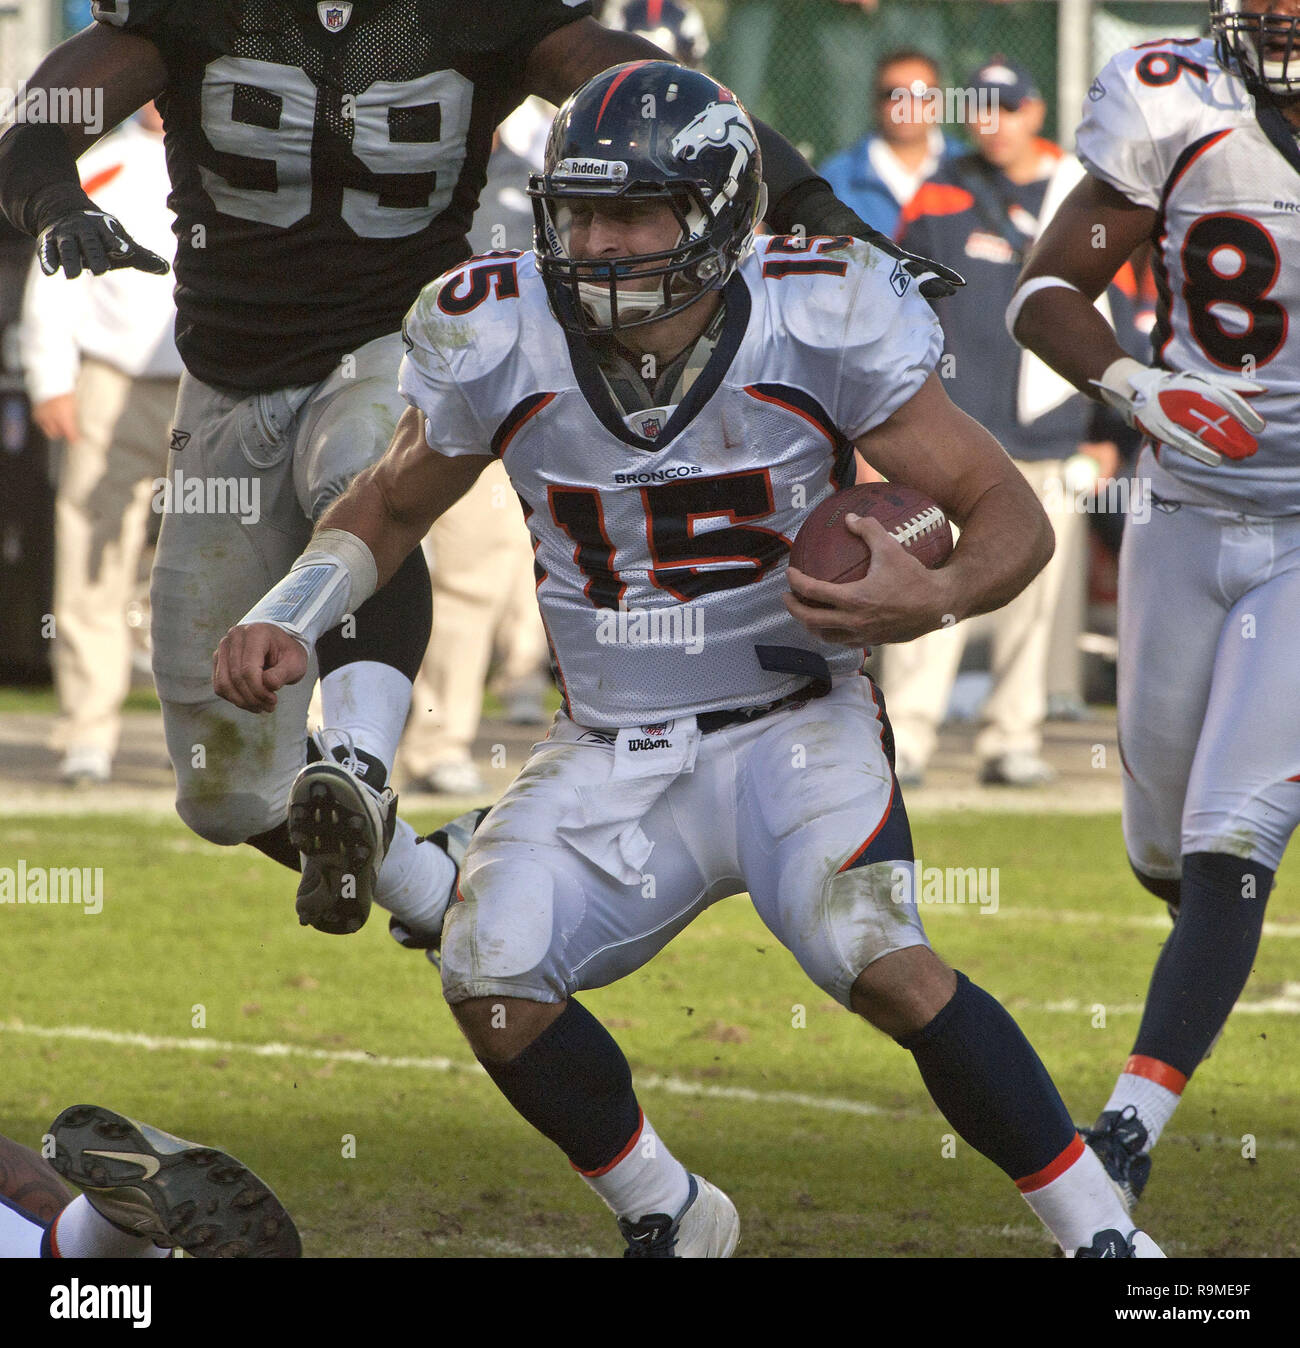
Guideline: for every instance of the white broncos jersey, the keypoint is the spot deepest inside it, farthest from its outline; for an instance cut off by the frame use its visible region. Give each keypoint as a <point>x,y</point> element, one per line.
<point>1170,128</point>
<point>661,537</point>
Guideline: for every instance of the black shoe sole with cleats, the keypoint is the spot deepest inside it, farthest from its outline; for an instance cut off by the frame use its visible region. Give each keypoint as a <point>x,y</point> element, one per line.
<point>177,1193</point>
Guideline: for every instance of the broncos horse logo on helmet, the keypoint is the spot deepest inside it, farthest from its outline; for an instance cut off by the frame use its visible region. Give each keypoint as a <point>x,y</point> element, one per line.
<point>647,130</point>
<point>719,126</point>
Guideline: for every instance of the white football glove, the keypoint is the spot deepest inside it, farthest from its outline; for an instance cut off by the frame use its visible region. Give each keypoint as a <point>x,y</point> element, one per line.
<point>1203,415</point>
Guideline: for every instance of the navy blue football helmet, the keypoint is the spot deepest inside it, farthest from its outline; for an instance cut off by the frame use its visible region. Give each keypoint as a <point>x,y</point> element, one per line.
<point>647,130</point>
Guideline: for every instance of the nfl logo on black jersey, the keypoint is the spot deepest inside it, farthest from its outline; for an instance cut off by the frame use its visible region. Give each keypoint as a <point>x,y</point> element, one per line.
<point>334,14</point>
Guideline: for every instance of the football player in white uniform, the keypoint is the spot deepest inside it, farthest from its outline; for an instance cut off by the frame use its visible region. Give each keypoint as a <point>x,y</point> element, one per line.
<point>669,403</point>
<point>1192,144</point>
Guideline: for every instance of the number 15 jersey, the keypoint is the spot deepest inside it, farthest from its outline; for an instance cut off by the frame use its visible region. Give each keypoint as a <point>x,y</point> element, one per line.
<point>1172,130</point>
<point>661,536</point>
<point>325,160</point>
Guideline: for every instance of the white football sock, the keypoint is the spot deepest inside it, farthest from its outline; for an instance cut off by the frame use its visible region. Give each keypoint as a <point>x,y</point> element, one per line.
<point>369,700</point>
<point>1079,1201</point>
<point>81,1233</point>
<point>415,882</point>
<point>1155,1104</point>
<point>647,1179</point>
<point>20,1233</point>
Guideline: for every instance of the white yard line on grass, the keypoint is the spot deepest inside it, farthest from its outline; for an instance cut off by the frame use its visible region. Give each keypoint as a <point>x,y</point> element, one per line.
<point>1081,917</point>
<point>650,1082</point>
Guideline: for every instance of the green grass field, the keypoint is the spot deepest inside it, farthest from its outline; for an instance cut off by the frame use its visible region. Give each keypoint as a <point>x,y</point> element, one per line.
<point>193,1000</point>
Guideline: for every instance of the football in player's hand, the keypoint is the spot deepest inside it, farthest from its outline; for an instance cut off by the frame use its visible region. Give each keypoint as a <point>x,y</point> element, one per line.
<point>827,549</point>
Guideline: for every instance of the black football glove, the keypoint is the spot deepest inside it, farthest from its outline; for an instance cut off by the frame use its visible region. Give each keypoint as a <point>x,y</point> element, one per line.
<point>933,279</point>
<point>94,240</point>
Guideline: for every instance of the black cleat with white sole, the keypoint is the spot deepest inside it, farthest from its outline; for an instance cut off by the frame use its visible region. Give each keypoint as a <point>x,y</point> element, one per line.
<point>341,826</point>
<point>177,1193</point>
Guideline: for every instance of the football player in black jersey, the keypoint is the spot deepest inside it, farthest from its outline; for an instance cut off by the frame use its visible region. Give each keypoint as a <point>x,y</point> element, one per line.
<point>326,160</point>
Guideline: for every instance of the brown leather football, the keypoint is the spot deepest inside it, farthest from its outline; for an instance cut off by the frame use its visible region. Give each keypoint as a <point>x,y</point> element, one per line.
<point>825,547</point>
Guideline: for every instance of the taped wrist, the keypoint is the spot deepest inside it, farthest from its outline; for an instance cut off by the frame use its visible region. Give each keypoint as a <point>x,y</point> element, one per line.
<point>334,577</point>
<point>38,177</point>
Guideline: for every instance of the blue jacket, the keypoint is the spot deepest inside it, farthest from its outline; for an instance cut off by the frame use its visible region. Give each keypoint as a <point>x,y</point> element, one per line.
<point>857,184</point>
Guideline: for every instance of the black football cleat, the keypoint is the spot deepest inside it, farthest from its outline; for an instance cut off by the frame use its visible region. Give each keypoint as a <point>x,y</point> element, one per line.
<point>178,1193</point>
<point>342,826</point>
<point>1118,1138</point>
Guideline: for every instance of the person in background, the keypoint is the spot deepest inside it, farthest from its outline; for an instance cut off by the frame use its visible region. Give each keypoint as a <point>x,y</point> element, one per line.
<point>102,372</point>
<point>982,210</point>
<point>675,25</point>
<point>881,173</point>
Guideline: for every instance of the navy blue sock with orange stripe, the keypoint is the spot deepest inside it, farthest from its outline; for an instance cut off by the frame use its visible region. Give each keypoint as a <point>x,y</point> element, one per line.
<point>989,1083</point>
<point>992,1087</point>
<point>573,1084</point>
<point>1206,961</point>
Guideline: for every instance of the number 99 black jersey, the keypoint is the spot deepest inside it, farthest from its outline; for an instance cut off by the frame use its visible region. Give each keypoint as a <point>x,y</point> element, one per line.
<point>325,161</point>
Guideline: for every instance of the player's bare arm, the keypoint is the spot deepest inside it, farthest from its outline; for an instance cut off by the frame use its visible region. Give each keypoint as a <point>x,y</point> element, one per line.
<point>1005,541</point>
<point>39,189</point>
<point>357,546</point>
<point>799,200</point>
<point>1088,240</point>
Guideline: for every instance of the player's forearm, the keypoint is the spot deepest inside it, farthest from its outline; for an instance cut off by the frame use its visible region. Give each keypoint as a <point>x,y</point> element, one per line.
<point>1063,329</point>
<point>1005,541</point>
<point>369,511</point>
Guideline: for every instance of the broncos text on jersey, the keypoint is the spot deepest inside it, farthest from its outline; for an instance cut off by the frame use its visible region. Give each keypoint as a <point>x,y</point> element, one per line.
<point>1166,125</point>
<point>325,161</point>
<point>661,536</point>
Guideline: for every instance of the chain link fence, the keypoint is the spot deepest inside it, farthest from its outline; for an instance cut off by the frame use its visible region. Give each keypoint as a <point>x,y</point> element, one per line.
<point>807,66</point>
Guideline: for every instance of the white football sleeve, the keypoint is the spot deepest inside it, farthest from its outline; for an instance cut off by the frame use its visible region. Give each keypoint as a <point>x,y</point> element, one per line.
<point>1115,141</point>
<point>890,345</point>
<point>427,382</point>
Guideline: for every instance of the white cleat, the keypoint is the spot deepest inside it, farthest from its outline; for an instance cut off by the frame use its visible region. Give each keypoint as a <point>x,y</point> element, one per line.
<point>341,826</point>
<point>707,1227</point>
<point>1112,1244</point>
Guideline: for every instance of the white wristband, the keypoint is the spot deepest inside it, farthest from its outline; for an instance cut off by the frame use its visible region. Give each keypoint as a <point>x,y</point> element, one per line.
<point>1032,288</point>
<point>334,577</point>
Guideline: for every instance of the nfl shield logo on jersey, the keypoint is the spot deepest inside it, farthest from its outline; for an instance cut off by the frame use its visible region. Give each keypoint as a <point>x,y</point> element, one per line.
<point>651,427</point>
<point>334,14</point>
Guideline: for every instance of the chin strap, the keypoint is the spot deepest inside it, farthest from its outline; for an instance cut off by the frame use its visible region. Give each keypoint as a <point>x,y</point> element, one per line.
<point>633,303</point>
